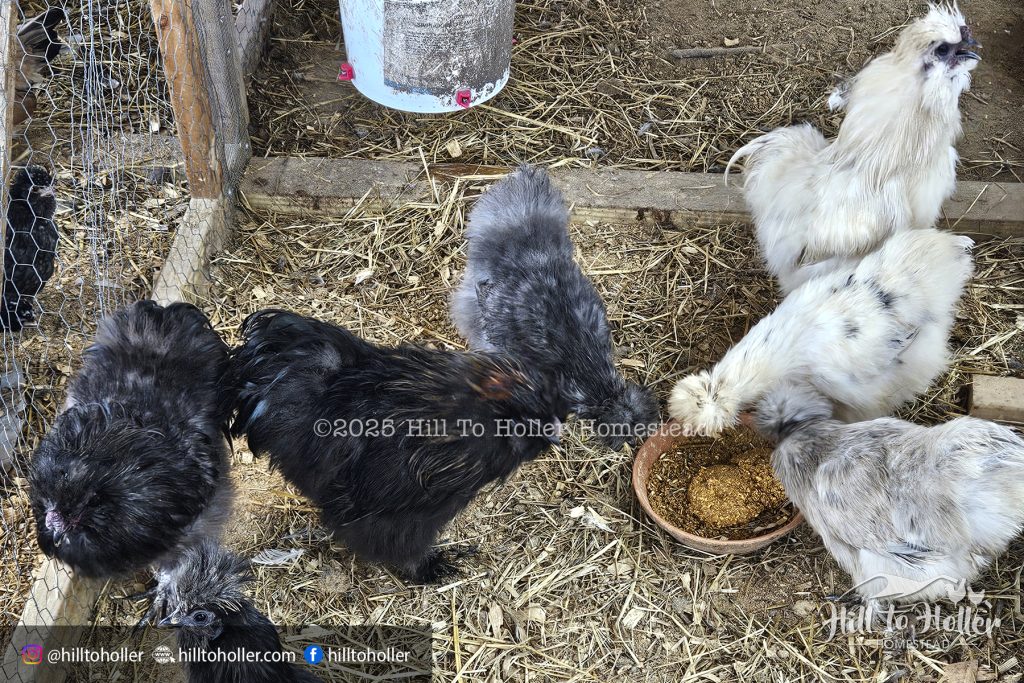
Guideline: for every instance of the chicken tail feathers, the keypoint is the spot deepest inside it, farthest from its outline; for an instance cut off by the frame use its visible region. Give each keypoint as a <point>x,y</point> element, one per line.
<point>743,152</point>
<point>788,406</point>
<point>39,41</point>
<point>523,208</point>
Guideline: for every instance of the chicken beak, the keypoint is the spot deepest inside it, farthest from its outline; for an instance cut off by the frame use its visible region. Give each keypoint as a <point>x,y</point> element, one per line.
<point>58,538</point>
<point>170,622</point>
<point>965,49</point>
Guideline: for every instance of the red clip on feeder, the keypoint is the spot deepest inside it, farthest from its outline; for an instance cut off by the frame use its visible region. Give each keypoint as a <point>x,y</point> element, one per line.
<point>347,73</point>
<point>460,56</point>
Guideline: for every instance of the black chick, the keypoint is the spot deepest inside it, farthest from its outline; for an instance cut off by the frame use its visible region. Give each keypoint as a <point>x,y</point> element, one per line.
<point>31,244</point>
<point>523,294</point>
<point>385,478</point>
<point>135,468</point>
<point>206,603</point>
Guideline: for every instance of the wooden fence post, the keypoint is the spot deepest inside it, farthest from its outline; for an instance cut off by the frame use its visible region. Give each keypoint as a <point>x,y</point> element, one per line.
<point>202,60</point>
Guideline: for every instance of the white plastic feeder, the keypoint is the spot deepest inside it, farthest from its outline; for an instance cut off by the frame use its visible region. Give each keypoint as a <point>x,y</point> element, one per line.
<point>427,56</point>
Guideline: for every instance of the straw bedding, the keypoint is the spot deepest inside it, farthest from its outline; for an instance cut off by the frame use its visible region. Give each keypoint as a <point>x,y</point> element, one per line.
<point>572,582</point>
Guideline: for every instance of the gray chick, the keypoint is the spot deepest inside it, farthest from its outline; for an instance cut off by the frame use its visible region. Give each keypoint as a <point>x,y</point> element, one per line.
<point>912,513</point>
<point>524,294</point>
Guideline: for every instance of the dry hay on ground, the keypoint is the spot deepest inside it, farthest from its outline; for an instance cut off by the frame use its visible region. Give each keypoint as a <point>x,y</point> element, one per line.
<point>592,85</point>
<point>572,582</point>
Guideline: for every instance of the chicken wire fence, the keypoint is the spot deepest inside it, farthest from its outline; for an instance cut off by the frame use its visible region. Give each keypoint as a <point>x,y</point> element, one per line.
<point>98,214</point>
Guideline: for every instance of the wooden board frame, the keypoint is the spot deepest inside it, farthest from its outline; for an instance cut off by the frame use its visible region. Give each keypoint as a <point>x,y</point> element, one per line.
<point>330,187</point>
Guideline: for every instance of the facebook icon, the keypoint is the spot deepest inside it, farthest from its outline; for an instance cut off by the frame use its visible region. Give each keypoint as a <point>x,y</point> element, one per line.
<point>314,654</point>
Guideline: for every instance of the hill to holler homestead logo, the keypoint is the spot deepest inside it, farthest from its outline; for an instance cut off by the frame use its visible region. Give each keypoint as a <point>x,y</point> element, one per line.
<point>903,605</point>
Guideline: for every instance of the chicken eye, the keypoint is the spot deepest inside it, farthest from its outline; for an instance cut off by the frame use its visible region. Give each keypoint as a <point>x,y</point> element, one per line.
<point>200,617</point>
<point>942,50</point>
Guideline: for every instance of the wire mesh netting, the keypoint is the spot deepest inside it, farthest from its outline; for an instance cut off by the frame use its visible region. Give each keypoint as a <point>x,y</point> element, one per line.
<point>98,215</point>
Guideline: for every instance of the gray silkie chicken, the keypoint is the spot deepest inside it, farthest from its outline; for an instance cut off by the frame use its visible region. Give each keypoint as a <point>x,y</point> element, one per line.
<point>30,245</point>
<point>912,513</point>
<point>206,603</point>
<point>135,469</point>
<point>523,294</point>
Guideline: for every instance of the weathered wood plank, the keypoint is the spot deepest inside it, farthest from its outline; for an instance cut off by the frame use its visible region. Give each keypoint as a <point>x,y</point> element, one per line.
<point>253,24</point>
<point>204,73</point>
<point>998,398</point>
<point>205,229</point>
<point>332,186</point>
<point>225,81</point>
<point>57,600</point>
<point>193,107</point>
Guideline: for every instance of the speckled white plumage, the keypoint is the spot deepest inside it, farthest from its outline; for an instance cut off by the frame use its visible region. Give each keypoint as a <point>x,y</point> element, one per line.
<point>869,336</point>
<point>911,512</point>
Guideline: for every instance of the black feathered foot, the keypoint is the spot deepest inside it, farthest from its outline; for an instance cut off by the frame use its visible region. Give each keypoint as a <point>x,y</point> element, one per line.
<point>438,566</point>
<point>26,313</point>
<point>156,608</point>
<point>135,597</point>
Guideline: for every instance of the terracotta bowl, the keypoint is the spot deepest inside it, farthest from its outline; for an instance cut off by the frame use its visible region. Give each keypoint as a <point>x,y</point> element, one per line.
<point>645,459</point>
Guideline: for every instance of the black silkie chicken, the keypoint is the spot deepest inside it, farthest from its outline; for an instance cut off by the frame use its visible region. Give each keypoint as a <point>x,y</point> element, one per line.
<point>135,468</point>
<point>36,47</point>
<point>524,295</point>
<point>206,603</point>
<point>386,491</point>
<point>31,244</point>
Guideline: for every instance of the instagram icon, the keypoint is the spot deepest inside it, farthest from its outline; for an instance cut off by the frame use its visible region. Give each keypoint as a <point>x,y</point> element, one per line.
<point>32,654</point>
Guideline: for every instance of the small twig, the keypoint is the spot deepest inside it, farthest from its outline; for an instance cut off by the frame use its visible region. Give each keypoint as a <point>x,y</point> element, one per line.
<point>709,52</point>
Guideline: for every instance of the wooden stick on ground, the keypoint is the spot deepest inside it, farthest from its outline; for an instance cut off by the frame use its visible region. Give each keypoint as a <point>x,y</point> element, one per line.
<point>291,185</point>
<point>709,52</point>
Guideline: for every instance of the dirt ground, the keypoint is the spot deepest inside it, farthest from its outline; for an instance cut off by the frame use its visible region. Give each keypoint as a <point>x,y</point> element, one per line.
<point>593,83</point>
<point>838,38</point>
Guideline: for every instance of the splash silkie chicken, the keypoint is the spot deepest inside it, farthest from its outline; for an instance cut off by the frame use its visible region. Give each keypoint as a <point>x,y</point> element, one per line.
<point>135,468</point>
<point>381,438</point>
<point>524,295</point>
<point>892,165</point>
<point>31,245</point>
<point>869,337</point>
<point>207,605</point>
<point>912,513</point>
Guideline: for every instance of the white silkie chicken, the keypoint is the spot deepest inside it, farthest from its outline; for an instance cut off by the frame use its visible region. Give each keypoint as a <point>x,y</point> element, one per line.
<point>893,164</point>
<point>869,336</point>
<point>912,513</point>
